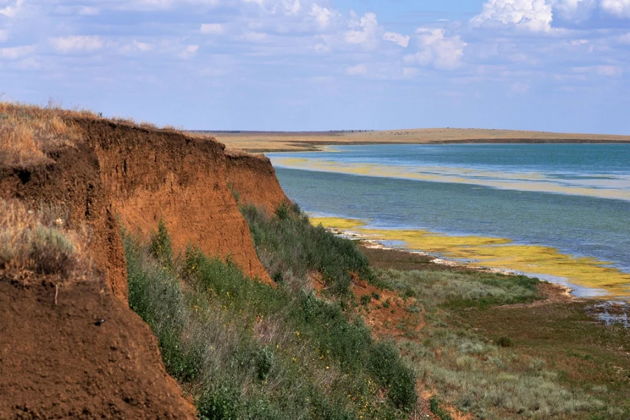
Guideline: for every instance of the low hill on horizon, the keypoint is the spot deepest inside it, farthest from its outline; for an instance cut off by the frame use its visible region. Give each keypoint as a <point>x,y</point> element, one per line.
<point>268,141</point>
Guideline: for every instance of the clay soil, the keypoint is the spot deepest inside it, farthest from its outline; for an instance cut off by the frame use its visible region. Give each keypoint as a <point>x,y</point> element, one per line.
<point>88,356</point>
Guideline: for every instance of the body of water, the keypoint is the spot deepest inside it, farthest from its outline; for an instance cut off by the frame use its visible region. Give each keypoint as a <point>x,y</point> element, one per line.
<point>560,211</point>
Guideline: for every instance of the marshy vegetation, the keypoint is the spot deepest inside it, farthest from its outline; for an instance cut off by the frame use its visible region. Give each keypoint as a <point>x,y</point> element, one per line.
<point>490,360</point>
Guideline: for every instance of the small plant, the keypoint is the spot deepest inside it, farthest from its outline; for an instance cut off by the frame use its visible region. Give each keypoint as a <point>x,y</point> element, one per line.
<point>161,246</point>
<point>504,342</point>
<point>365,299</point>
<point>37,241</point>
<point>434,406</point>
<point>264,362</point>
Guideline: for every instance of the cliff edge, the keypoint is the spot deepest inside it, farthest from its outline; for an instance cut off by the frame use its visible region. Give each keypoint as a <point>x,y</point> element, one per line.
<point>76,349</point>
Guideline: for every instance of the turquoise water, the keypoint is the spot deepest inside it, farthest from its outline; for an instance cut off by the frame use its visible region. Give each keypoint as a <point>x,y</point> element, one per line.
<point>573,197</point>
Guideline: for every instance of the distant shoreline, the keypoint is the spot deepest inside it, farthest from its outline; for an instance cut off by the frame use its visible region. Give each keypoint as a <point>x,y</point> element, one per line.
<point>261,141</point>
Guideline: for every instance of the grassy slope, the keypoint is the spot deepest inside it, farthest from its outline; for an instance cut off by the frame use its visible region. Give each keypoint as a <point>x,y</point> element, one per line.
<point>247,350</point>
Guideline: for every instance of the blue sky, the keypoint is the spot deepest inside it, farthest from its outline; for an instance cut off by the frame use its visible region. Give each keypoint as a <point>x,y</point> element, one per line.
<point>560,65</point>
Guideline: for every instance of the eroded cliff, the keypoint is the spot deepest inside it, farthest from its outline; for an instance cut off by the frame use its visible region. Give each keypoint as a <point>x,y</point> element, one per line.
<point>118,175</point>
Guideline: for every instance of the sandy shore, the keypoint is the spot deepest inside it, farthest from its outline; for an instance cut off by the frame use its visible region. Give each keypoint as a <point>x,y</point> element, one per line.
<point>261,141</point>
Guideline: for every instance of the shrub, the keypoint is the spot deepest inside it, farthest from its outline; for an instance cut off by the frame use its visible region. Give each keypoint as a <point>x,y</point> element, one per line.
<point>386,365</point>
<point>161,246</point>
<point>38,241</point>
<point>504,342</point>
<point>288,242</point>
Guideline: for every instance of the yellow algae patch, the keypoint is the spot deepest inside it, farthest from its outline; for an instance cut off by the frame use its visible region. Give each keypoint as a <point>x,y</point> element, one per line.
<point>499,253</point>
<point>336,222</point>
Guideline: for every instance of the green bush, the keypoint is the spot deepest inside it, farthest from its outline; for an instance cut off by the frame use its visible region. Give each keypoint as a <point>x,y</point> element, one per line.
<point>221,403</point>
<point>287,242</point>
<point>386,365</point>
<point>161,246</point>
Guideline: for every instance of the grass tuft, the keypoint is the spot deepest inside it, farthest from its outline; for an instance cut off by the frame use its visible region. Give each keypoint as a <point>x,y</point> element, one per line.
<point>38,241</point>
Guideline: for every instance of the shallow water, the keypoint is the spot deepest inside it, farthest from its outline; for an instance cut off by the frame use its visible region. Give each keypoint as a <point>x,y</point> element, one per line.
<point>561,211</point>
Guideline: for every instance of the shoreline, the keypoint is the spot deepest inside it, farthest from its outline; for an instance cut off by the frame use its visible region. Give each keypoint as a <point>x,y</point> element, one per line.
<point>554,291</point>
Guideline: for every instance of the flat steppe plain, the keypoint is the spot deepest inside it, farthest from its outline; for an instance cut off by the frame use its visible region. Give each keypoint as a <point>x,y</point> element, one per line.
<point>268,141</point>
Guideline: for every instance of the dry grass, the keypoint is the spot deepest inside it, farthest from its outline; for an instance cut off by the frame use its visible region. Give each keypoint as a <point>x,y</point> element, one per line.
<point>304,141</point>
<point>28,133</point>
<point>38,241</point>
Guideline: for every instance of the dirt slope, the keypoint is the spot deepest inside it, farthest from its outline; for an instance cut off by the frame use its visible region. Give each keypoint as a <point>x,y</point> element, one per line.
<point>55,361</point>
<point>254,181</point>
<point>137,176</point>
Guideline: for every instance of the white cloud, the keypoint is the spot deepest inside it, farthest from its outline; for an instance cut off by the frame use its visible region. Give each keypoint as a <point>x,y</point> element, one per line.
<point>437,49</point>
<point>88,11</point>
<point>358,70</point>
<point>364,31</point>
<point>322,15</point>
<point>136,46</point>
<point>212,28</point>
<point>189,51</point>
<point>533,15</point>
<point>287,7</point>
<point>396,38</point>
<point>13,53</point>
<point>619,8</point>
<point>12,8</point>
<point>77,43</point>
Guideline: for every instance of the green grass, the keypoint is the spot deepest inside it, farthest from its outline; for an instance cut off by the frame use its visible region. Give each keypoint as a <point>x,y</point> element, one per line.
<point>244,349</point>
<point>290,247</point>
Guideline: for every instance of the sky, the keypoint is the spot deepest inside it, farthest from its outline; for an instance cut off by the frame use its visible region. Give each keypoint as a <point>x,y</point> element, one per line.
<point>554,65</point>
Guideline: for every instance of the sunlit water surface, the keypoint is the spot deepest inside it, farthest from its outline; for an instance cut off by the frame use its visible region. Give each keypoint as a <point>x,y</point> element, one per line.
<point>560,211</point>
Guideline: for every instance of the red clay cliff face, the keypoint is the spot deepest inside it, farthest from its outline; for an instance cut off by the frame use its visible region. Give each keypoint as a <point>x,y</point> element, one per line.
<point>135,177</point>
<point>54,360</point>
<point>253,179</point>
<point>88,356</point>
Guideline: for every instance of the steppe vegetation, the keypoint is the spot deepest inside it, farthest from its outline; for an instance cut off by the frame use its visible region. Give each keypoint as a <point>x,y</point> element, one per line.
<point>485,351</point>
<point>244,349</point>
<point>29,133</point>
<point>38,241</point>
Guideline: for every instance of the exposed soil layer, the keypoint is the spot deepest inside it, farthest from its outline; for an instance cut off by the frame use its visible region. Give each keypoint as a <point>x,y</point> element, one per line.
<point>60,360</point>
<point>253,180</point>
<point>127,175</point>
<point>88,356</point>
